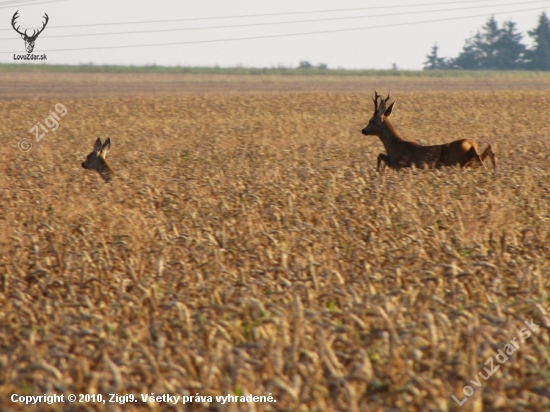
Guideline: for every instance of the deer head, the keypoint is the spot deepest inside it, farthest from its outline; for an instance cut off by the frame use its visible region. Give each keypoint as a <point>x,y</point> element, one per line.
<point>380,113</point>
<point>96,159</point>
<point>29,40</point>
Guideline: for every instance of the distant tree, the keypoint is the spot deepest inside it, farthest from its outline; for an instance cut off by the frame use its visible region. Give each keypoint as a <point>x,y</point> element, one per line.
<point>539,56</point>
<point>305,65</point>
<point>435,62</point>
<point>322,66</point>
<point>479,50</point>
<point>470,57</point>
<point>487,42</point>
<point>493,48</point>
<point>511,53</point>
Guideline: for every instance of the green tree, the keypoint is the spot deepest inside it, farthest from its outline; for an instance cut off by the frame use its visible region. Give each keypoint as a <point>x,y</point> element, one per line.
<point>510,52</point>
<point>435,62</point>
<point>540,55</point>
<point>470,57</point>
<point>493,48</point>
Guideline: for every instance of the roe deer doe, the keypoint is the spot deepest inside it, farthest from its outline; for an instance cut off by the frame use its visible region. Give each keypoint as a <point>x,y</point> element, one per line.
<point>96,159</point>
<point>402,153</point>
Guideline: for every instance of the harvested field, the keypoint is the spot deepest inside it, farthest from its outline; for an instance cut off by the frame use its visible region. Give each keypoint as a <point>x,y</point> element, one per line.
<point>85,85</point>
<point>248,246</point>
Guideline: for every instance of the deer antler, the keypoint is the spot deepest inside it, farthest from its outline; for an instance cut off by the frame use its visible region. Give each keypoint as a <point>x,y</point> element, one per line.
<point>15,16</point>
<point>382,105</point>
<point>34,34</point>
<point>375,99</point>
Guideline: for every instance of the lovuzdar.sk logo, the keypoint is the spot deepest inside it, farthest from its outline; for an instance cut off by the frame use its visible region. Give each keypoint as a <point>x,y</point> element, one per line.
<point>29,40</point>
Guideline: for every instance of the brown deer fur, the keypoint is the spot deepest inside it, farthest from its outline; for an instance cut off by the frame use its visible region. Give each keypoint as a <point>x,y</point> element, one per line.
<point>96,159</point>
<point>402,153</point>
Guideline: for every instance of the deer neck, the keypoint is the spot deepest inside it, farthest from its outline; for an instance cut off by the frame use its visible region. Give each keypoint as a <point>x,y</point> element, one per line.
<point>389,135</point>
<point>104,170</point>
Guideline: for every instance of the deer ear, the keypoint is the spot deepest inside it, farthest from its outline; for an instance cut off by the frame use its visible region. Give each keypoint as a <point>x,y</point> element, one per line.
<point>106,147</point>
<point>23,36</point>
<point>389,109</point>
<point>97,145</point>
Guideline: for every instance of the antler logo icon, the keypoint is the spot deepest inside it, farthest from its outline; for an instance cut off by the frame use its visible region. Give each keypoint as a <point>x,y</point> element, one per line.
<point>29,40</point>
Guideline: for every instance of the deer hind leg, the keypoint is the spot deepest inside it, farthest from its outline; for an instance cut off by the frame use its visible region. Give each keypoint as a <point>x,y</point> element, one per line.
<point>386,159</point>
<point>489,152</point>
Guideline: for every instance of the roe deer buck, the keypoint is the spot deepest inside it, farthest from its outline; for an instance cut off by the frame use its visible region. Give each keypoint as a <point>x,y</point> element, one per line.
<point>96,159</point>
<point>402,153</point>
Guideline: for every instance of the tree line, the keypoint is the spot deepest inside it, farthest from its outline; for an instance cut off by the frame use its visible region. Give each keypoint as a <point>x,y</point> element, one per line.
<point>497,47</point>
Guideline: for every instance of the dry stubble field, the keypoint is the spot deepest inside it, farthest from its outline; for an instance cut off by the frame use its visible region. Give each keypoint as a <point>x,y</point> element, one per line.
<point>247,246</point>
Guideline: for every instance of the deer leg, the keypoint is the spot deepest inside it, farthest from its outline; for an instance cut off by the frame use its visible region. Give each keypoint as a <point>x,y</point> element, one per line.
<point>386,159</point>
<point>437,163</point>
<point>482,162</point>
<point>489,152</point>
<point>471,155</point>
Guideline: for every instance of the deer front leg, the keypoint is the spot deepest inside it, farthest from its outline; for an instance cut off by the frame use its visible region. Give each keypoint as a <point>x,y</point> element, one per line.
<point>489,152</point>
<point>473,156</point>
<point>386,159</point>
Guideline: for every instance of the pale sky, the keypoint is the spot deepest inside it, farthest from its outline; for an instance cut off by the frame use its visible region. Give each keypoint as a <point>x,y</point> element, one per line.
<point>372,48</point>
